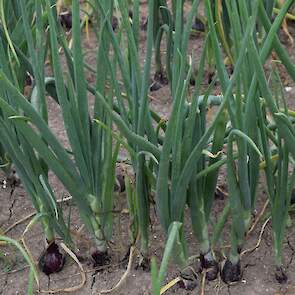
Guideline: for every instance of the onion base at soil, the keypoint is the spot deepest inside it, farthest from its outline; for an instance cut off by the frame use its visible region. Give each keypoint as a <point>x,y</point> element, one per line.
<point>231,272</point>
<point>210,265</point>
<point>51,261</point>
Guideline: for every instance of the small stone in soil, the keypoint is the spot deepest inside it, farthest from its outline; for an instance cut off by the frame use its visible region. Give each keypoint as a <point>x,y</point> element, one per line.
<point>52,260</point>
<point>281,275</point>
<point>100,258</point>
<point>231,272</point>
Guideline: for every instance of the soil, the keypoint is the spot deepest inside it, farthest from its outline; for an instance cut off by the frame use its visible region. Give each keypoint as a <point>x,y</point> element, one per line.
<point>257,266</point>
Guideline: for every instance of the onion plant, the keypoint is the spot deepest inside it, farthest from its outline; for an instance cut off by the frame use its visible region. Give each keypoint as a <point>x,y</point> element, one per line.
<point>243,196</point>
<point>187,129</point>
<point>30,166</point>
<point>187,159</point>
<point>167,210</point>
<point>171,199</point>
<point>11,37</point>
<point>243,186</point>
<point>163,25</point>
<point>88,172</point>
<point>279,180</point>
<point>133,116</point>
<point>280,176</point>
<point>222,12</point>
<point>91,144</point>
<point>172,240</point>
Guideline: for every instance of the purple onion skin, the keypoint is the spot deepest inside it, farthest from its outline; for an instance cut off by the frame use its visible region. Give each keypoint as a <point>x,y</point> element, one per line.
<point>52,260</point>
<point>211,266</point>
<point>231,272</point>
